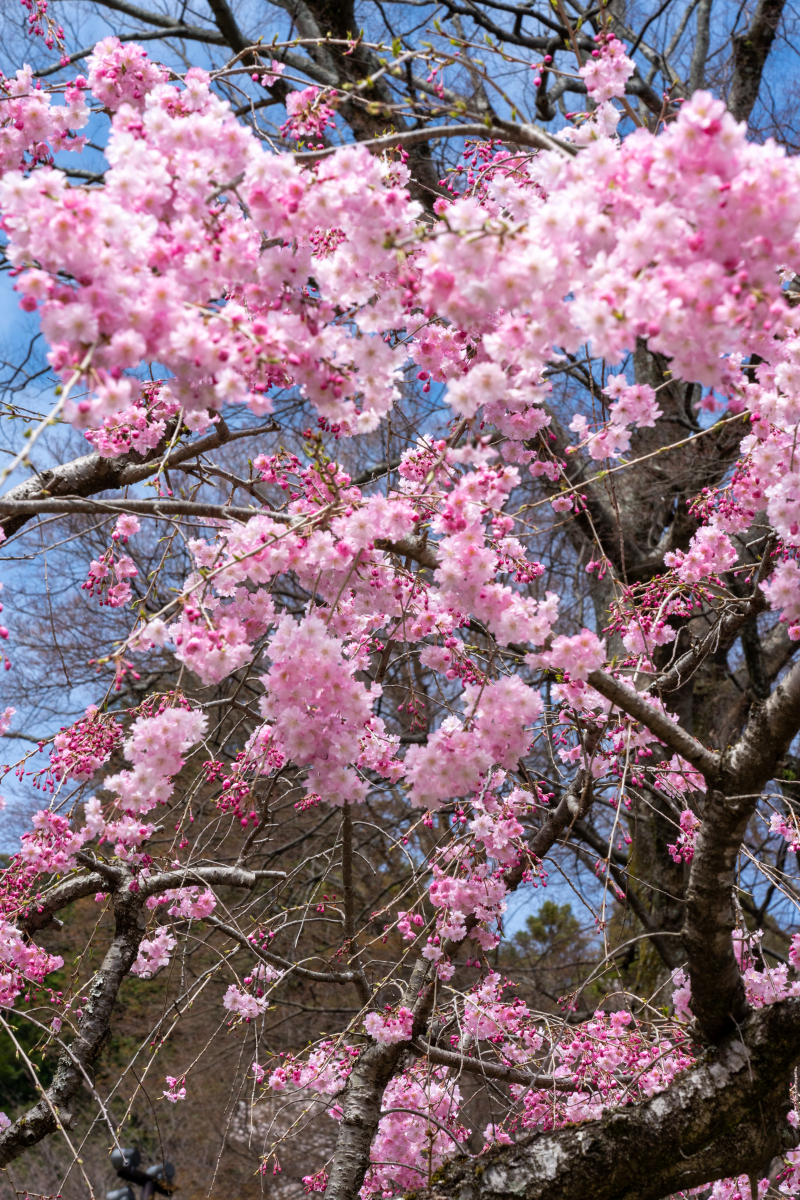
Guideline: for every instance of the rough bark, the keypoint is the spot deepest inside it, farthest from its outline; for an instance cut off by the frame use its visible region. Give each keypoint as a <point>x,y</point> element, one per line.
<point>91,474</point>
<point>718,999</point>
<point>725,1117</point>
<point>750,52</point>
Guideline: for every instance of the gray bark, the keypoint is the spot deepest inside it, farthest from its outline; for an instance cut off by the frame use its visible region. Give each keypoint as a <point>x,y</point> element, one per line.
<point>724,1117</point>
<point>750,52</point>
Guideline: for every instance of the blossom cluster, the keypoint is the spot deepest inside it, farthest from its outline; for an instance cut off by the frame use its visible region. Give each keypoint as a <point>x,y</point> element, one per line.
<point>154,953</point>
<point>155,745</point>
<point>32,128</point>
<point>21,963</point>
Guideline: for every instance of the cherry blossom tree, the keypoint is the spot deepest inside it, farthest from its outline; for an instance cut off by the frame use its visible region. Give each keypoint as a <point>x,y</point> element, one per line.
<point>550,633</point>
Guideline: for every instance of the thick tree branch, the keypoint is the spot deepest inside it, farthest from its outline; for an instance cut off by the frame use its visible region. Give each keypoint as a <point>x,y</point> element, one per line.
<point>697,71</point>
<point>221,876</point>
<point>91,474</point>
<point>416,548</point>
<point>229,29</point>
<point>92,1033</point>
<point>718,997</point>
<point>750,52</point>
<point>770,728</point>
<point>725,1117</point>
<point>635,705</point>
<point>66,892</point>
<point>154,508</point>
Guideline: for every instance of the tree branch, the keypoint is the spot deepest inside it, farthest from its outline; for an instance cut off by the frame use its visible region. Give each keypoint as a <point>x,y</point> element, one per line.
<point>697,71</point>
<point>91,474</point>
<point>416,548</point>
<point>720,634</point>
<point>275,959</point>
<point>635,705</point>
<point>503,131</point>
<point>58,897</point>
<point>489,1070</point>
<point>361,1103</point>
<point>718,996</point>
<point>750,52</point>
<point>364,990</point>
<point>154,508</point>
<point>221,876</point>
<point>727,1116</point>
<point>92,1034</point>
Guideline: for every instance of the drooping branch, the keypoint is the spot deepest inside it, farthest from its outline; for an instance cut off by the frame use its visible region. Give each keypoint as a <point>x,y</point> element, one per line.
<point>361,1103</point>
<point>666,947</point>
<point>720,634</point>
<point>128,898</point>
<point>275,960</point>
<point>364,990</point>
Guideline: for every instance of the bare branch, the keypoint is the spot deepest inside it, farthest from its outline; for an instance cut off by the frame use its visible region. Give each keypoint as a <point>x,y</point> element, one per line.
<point>489,1070</point>
<point>221,876</point>
<point>154,508</point>
<point>275,960</point>
<point>719,635</point>
<point>503,131</point>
